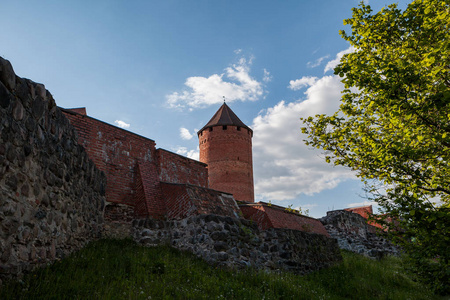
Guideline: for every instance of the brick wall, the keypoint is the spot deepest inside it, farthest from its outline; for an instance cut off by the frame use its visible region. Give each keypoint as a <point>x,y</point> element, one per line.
<point>114,151</point>
<point>274,216</point>
<point>184,200</point>
<point>149,201</point>
<point>175,168</point>
<point>363,211</point>
<point>228,153</point>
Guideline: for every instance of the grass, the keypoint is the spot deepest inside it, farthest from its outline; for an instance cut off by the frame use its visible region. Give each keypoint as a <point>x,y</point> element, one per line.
<point>121,269</point>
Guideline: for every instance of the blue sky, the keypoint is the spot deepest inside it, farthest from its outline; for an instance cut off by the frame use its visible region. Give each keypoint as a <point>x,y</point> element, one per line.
<point>161,68</point>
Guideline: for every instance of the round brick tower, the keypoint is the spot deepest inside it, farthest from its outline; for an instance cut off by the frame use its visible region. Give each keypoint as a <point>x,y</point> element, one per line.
<point>226,146</point>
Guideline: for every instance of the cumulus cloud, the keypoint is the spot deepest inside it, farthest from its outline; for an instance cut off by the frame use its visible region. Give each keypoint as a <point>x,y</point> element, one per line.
<point>302,82</point>
<point>193,154</point>
<point>284,166</point>
<point>333,63</point>
<point>185,134</point>
<point>122,124</point>
<point>317,62</point>
<point>267,77</point>
<point>235,84</point>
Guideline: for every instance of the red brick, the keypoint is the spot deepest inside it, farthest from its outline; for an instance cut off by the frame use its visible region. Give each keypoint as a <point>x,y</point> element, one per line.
<point>228,154</point>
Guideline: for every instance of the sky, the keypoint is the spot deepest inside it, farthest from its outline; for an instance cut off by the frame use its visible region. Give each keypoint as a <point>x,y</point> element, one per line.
<point>161,69</point>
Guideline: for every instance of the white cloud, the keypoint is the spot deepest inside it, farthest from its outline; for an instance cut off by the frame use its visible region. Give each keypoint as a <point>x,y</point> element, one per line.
<point>317,62</point>
<point>364,203</point>
<point>302,82</point>
<point>122,124</point>
<point>333,63</point>
<point>284,166</point>
<point>185,134</point>
<point>193,154</point>
<point>267,77</point>
<point>237,51</point>
<point>235,84</point>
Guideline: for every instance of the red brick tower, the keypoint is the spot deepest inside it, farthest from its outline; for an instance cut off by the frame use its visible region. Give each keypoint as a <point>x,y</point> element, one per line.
<point>226,146</point>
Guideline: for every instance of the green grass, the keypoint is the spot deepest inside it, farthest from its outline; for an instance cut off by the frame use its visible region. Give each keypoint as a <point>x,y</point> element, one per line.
<point>121,269</point>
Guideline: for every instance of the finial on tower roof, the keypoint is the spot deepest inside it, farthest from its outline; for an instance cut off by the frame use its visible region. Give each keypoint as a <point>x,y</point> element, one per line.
<point>223,99</point>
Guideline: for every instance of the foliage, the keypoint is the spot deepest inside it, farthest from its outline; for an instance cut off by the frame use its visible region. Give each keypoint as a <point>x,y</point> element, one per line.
<point>111,269</point>
<point>299,210</point>
<point>393,125</point>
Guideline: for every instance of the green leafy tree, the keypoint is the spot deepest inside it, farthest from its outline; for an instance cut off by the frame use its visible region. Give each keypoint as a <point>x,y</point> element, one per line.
<point>393,125</point>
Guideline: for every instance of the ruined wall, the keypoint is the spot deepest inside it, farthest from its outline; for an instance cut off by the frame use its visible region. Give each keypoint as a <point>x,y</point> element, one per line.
<point>238,243</point>
<point>175,168</point>
<point>116,152</point>
<point>274,216</point>
<point>184,200</point>
<point>366,212</point>
<point>363,211</point>
<point>354,234</point>
<point>228,153</point>
<point>51,193</point>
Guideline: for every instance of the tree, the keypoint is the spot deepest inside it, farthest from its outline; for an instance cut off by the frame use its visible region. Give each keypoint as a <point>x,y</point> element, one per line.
<point>393,125</point>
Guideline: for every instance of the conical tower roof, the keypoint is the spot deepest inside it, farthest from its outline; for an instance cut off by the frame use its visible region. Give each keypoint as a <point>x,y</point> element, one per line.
<point>224,116</point>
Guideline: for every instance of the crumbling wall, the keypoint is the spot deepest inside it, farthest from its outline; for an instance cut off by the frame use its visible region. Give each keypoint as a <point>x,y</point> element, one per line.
<point>238,243</point>
<point>51,194</point>
<point>354,234</point>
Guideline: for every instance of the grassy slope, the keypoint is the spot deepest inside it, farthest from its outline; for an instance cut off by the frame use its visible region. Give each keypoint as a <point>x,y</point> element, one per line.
<point>111,269</point>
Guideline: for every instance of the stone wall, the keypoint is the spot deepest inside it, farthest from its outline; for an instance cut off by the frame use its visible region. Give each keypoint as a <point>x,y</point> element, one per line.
<point>238,243</point>
<point>51,194</point>
<point>354,234</point>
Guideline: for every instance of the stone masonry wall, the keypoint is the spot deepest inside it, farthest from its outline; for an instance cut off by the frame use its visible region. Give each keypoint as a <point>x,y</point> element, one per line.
<point>354,234</point>
<point>238,243</point>
<point>51,194</point>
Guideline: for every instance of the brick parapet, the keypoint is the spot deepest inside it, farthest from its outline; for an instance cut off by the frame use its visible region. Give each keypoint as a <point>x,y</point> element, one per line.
<point>115,151</point>
<point>273,216</point>
<point>175,168</point>
<point>184,200</point>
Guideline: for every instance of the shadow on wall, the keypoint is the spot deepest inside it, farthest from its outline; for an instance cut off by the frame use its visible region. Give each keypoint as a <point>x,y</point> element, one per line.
<point>52,195</point>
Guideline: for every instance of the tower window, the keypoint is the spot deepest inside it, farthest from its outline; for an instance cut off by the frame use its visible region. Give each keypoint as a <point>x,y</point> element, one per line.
<point>238,128</point>
<point>224,127</point>
<point>210,128</point>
